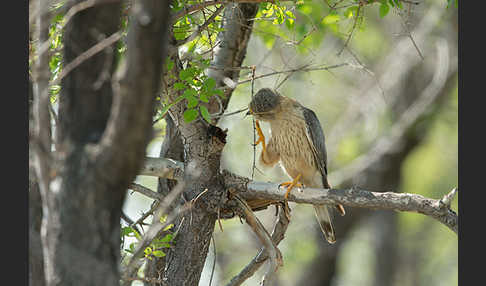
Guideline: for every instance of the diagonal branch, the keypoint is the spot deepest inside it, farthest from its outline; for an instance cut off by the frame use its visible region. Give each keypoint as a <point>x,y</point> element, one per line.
<point>277,236</point>
<point>270,249</point>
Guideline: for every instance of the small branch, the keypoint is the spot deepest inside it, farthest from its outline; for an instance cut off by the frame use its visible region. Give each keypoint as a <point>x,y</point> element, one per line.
<point>88,54</point>
<point>162,168</point>
<point>360,7</point>
<point>300,69</point>
<point>146,191</point>
<point>198,31</point>
<point>446,201</point>
<point>197,7</point>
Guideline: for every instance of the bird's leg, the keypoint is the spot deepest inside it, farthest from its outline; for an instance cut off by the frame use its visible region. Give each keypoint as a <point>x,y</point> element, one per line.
<point>261,137</point>
<point>291,185</point>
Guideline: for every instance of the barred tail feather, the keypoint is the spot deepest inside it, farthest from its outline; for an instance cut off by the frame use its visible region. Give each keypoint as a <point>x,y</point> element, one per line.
<point>322,215</point>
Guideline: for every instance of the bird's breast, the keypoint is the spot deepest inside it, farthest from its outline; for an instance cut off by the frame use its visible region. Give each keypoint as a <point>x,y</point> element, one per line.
<point>290,140</point>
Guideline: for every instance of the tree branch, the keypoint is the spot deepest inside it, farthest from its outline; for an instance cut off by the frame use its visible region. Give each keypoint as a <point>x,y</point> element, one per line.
<point>269,193</point>
<point>278,234</point>
<point>197,7</point>
<point>357,197</point>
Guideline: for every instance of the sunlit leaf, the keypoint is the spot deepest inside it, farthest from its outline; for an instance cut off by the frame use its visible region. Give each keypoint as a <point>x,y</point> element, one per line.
<point>331,19</point>
<point>158,253</point>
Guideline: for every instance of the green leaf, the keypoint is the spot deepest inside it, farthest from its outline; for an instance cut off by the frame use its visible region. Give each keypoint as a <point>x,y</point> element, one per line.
<point>219,92</point>
<point>351,11</point>
<point>189,92</point>
<point>204,97</point>
<point>330,19</point>
<point>205,113</point>
<point>169,64</point>
<point>168,227</point>
<point>190,115</point>
<point>290,14</point>
<point>179,85</point>
<point>126,231</point>
<point>131,248</point>
<point>384,9</point>
<point>159,245</point>
<point>137,235</point>
<point>158,253</point>
<point>192,101</point>
<point>188,74</point>
<point>209,84</point>
<point>167,238</point>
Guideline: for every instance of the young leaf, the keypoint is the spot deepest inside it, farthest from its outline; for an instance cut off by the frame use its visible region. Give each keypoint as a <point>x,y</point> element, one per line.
<point>168,227</point>
<point>158,253</point>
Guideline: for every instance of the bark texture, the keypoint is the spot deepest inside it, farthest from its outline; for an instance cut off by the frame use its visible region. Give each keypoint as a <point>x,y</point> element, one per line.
<point>200,144</point>
<point>103,132</point>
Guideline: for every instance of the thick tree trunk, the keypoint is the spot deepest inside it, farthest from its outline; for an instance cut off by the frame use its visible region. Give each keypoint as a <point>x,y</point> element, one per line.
<point>203,147</point>
<point>101,145</point>
<point>36,261</point>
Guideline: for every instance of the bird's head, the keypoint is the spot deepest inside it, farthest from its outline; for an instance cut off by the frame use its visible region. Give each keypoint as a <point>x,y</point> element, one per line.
<point>265,104</point>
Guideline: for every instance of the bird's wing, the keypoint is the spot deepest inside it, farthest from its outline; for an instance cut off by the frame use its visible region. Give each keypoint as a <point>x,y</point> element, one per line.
<point>315,135</point>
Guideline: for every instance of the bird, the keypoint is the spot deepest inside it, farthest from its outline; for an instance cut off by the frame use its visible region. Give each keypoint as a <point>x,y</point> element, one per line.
<point>297,142</point>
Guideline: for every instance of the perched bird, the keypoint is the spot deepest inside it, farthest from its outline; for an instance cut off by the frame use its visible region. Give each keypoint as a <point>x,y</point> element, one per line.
<point>297,142</point>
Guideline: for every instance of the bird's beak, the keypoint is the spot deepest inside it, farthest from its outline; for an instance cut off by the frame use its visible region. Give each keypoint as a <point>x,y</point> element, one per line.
<point>249,112</point>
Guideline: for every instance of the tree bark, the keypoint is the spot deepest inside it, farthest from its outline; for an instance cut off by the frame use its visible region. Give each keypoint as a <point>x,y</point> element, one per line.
<point>203,144</point>
<point>103,132</point>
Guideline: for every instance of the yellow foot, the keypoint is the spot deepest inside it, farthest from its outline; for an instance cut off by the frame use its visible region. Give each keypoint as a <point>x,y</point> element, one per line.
<point>291,185</point>
<point>261,137</point>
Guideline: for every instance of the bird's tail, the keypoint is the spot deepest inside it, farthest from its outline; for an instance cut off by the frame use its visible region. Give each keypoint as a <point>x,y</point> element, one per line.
<point>324,219</point>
